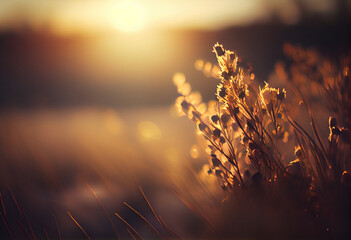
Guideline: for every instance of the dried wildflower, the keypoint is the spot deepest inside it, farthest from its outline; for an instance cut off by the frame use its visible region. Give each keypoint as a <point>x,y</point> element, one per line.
<point>216,133</point>
<point>218,49</point>
<point>215,119</point>
<point>185,106</point>
<point>240,122</point>
<point>250,127</point>
<point>215,161</point>
<point>298,151</point>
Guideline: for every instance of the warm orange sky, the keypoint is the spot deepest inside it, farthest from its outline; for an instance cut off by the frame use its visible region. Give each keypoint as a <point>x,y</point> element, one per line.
<point>134,15</point>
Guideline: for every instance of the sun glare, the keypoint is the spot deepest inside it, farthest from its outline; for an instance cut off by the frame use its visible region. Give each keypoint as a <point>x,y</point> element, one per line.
<point>129,16</point>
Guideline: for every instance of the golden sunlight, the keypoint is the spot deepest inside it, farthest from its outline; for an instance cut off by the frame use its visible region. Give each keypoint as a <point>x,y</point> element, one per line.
<point>128,16</point>
<point>149,131</point>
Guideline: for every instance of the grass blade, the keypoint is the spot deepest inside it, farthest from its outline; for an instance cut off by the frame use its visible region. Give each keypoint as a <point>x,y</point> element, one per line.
<point>126,223</point>
<point>144,219</point>
<point>57,228</point>
<point>80,227</point>
<point>6,225</point>
<point>106,213</point>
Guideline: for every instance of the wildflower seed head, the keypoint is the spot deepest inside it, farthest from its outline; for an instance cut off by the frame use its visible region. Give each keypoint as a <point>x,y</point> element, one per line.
<point>336,131</point>
<point>195,116</point>
<point>217,133</point>
<point>245,139</point>
<point>218,49</point>
<point>298,152</point>
<point>227,61</point>
<point>225,118</point>
<point>215,119</point>
<point>226,75</point>
<point>204,128</point>
<point>281,95</point>
<point>221,91</point>
<point>268,94</point>
<point>216,162</point>
<point>185,106</point>
<point>332,122</point>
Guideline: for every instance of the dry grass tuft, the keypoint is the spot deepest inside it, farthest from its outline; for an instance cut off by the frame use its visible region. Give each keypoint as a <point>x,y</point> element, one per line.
<point>252,132</point>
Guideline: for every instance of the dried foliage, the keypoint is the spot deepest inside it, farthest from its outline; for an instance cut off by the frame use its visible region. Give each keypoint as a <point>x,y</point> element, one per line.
<point>248,129</point>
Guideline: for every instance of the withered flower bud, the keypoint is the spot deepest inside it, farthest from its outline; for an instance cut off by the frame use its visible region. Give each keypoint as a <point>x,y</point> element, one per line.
<point>281,95</point>
<point>219,50</point>
<point>216,162</point>
<point>298,152</point>
<point>225,118</point>
<point>332,122</point>
<point>185,106</point>
<point>196,116</point>
<point>336,131</point>
<point>236,110</point>
<point>215,119</point>
<point>242,94</point>
<point>217,132</point>
<point>245,139</point>
<point>204,128</point>
<point>222,93</point>
<point>226,75</point>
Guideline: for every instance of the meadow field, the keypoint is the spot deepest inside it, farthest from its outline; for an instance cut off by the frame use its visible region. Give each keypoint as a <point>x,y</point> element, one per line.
<point>164,120</point>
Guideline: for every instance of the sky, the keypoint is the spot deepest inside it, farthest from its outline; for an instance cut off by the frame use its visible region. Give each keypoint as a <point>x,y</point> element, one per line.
<point>68,16</point>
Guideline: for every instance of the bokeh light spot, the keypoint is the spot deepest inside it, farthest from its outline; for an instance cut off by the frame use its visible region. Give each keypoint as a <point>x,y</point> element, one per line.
<point>194,151</point>
<point>112,122</point>
<point>178,79</point>
<point>149,131</point>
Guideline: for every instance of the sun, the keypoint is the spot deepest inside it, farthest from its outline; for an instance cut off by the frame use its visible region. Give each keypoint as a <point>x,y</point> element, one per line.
<point>129,16</point>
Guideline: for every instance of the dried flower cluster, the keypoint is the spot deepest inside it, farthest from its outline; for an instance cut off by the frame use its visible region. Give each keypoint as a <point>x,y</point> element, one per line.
<point>244,129</point>
<point>249,128</point>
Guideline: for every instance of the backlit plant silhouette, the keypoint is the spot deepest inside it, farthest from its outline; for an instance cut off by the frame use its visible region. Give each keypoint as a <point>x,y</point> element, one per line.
<point>249,128</point>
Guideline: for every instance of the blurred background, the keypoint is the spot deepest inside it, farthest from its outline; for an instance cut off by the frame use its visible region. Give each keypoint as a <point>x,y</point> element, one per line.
<point>86,93</point>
